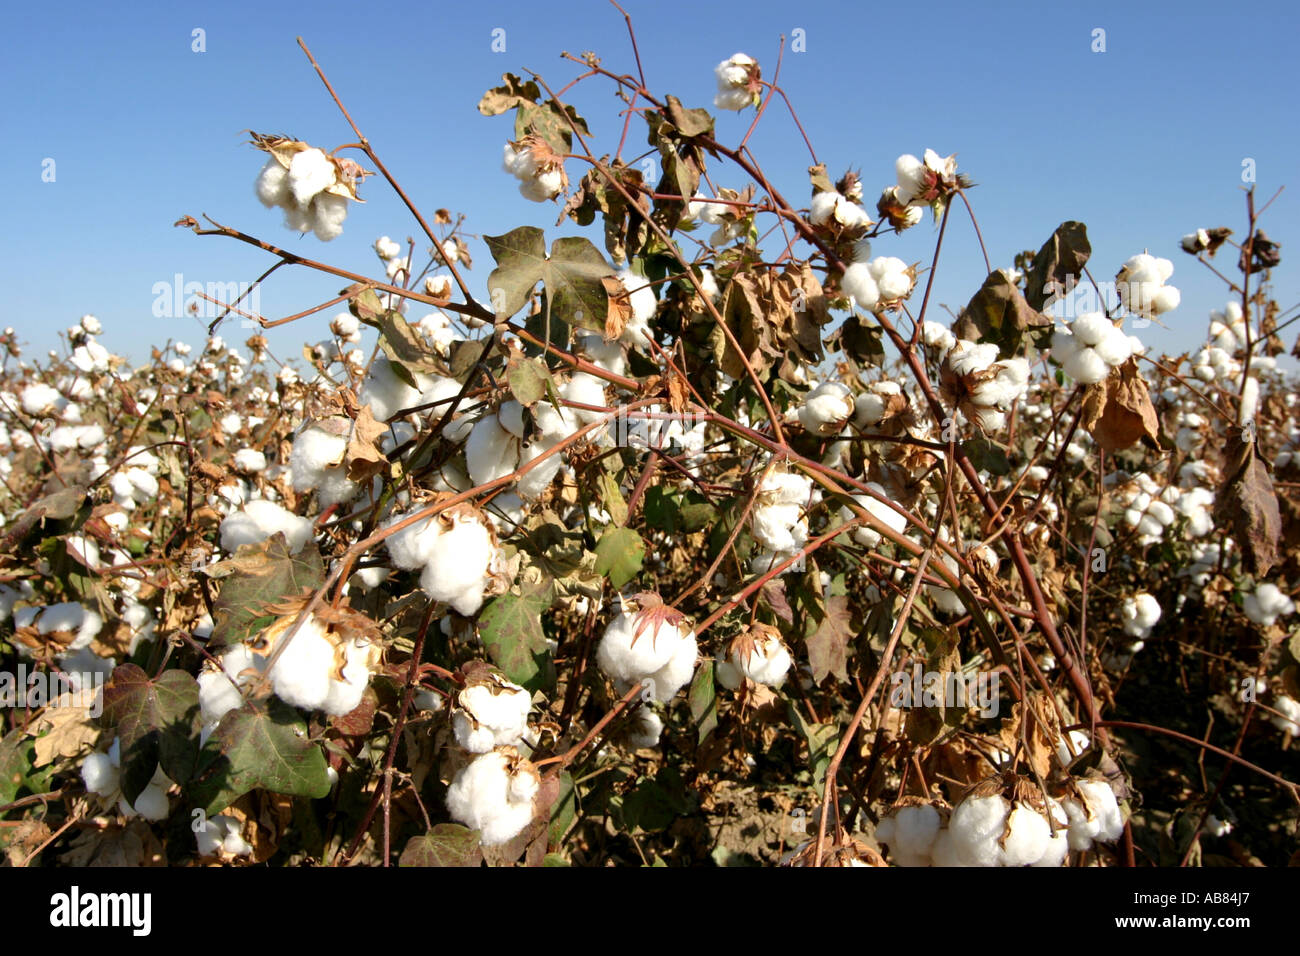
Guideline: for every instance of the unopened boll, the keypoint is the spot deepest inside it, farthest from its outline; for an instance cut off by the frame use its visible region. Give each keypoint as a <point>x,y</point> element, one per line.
<point>827,409</point>
<point>490,714</point>
<point>494,794</point>
<point>1266,604</point>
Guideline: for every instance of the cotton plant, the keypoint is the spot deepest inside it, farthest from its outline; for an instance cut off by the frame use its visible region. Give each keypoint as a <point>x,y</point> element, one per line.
<point>311,187</point>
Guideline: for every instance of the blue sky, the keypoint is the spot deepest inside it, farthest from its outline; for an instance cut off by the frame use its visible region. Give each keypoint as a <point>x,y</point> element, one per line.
<point>1143,142</point>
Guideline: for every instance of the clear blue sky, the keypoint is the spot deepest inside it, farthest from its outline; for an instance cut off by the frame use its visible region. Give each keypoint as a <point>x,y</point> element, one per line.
<point>1144,142</point>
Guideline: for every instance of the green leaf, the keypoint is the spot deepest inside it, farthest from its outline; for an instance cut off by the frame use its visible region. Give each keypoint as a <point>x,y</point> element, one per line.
<point>619,554</point>
<point>511,629</point>
<point>986,456</point>
<point>157,723</point>
<point>16,752</point>
<point>564,810</point>
<point>703,697</point>
<point>822,740</point>
<point>572,276</point>
<point>528,381</point>
<point>447,844</point>
<point>262,745</point>
<point>655,803</point>
<point>519,254</point>
<point>259,575</point>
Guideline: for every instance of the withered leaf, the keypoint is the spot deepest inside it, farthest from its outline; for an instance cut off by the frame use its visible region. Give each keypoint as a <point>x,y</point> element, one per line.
<point>828,645</point>
<point>364,459</point>
<point>1248,504</point>
<point>999,313</point>
<point>1058,265</point>
<point>1118,411</point>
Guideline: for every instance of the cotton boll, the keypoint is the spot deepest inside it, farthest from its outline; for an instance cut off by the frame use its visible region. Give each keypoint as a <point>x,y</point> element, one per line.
<point>1057,846</point>
<point>677,673</point>
<point>301,676</point>
<point>249,461</point>
<point>858,283</point>
<point>1139,614</point>
<point>1103,808</point>
<point>491,714</point>
<point>733,77</point>
<point>1078,742</point>
<point>315,450</point>
<point>1114,348</point>
<point>761,656</point>
<point>1267,604</point>
<point>345,694</point>
<point>779,527</point>
<point>40,398</point>
<point>910,832</point>
<point>458,566</point>
<point>310,172</point>
<point>966,358</point>
<point>945,850</point>
<point>152,803</point>
<point>1287,718</point>
<point>261,519</point>
<point>1027,838</point>
<point>486,795</point>
<point>628,657</point>
<point>100,773</point>
<point>273,184</point>
<point>937,336</point>
<point>1091,328</point>
<point>865,535</point>
<point>585,389</point>
<point>1085,366</point>
<point>491,452</point>
<point>645,729</point>
<point>827,409</point>
<point>412,547</point>
<point>976,826</point>
<point>329,211</point>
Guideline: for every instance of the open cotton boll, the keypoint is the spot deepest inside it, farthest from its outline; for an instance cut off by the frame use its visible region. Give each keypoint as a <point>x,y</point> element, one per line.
<point>219,686</point>
<point>100,773</point>
<point>1139,614</point>
<point>626,657</point>
<point>349,686</point>
<point>830,207</point>
<point>585,389</point>
<point>779,527</point>
<point>1287,718</point>
<point>858,283</point>
<point>151,803</point>
<point>910,833</point>
<point>40,398</point>
<point>1266,604</point>
<point>865,535</point>
<point>459,564</point>
<point>733,76</point>
<point>272,184</point>
<point>221,834</point>
<point>1100,819</point>
<point>491,452</point>
<point>315,451</point>
<point>1028,837</point>
<point>976,827</point>
<point>412,547</point>
<point>967,358</point>
<point>260,519</point>
<point>494,794</point>
<point>937,336</point>
<point>644,729</point>
<point>676,674</point>
<point>1078,742</point>
<point>249,461</point>
<point>302,674</point>
<point>491,714</point>
<point>310,172</point>
<point>330,211</point>
<point>760,655</point>
<point>827,409</point>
